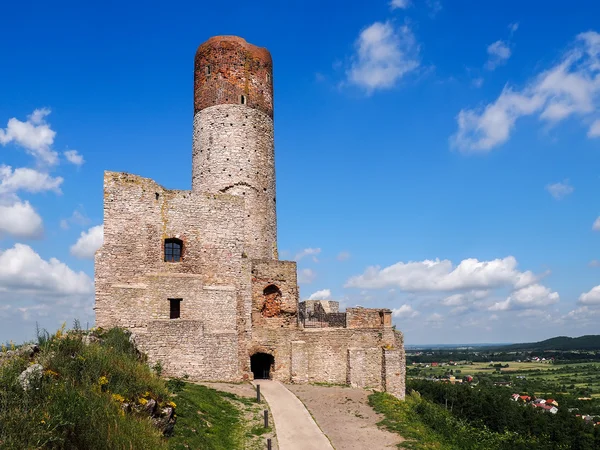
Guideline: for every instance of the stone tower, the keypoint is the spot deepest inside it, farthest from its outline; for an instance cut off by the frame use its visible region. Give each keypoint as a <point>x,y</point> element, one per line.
<point>233,149</point>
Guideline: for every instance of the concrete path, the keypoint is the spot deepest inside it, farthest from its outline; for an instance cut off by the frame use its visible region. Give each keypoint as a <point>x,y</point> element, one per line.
<point>295,428</point>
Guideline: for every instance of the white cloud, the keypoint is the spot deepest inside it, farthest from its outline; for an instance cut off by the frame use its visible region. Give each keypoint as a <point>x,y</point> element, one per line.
<point>571,87</point>
<point>560,190</point>
<point>26,179</point>
<point>23,270</point>
<point>343,256</point>
<point>498,54</point>
<point>439,275</point>
<point>434,320</point>
<point>34,135</point>
<point>399,4</point>
<point>462,299</point>
<point>20,220</point>
<point>308,252</point>
<point>88,242</point>
<point>513,27</point>
<point>306,276</point>
<point>74,157</point>
<point>594,130</point>
<point>596,225</point>
<point>384,54</point>
<point>405,312</point>
<point>528,297</point>
<point>323,294</point>
<point>590,298</point>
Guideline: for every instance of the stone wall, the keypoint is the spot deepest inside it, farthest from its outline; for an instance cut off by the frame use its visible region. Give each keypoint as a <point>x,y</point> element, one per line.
<point>365,367</point>
<point>233,153</point>
<point>324,306</point>
<point>325,351</point>
<point>281,275</point>
<point>227,67</point>
<point>366,317</point>
<point>394,372</point>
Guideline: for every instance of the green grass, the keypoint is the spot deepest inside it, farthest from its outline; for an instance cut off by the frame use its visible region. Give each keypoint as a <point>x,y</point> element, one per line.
<point>71,406</point>
<point>427,426</point>
<point>213,420</point>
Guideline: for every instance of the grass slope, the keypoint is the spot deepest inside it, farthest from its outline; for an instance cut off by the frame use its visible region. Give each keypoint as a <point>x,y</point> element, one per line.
<point>213,420</point>
<point>565,343</point>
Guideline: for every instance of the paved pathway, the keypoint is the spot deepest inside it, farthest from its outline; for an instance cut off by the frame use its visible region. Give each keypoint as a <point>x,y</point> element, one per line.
<point>295,428</point>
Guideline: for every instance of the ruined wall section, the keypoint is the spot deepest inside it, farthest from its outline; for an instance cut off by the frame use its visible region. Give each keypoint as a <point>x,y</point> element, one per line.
<point>274,294</point>
<point>325,351</point>
<point>359,317</point>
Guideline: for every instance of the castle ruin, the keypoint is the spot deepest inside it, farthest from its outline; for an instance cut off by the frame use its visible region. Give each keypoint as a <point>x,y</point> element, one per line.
<point>195,274</point>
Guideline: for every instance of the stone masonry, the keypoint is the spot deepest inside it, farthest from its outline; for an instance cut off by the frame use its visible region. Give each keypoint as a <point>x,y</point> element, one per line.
<point>195,274</point>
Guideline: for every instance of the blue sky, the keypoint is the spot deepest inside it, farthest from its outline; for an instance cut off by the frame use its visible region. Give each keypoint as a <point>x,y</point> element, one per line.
<point>436,158</point>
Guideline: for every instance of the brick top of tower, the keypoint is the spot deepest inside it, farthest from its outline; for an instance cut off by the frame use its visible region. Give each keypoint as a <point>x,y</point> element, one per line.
<point>229,70</point>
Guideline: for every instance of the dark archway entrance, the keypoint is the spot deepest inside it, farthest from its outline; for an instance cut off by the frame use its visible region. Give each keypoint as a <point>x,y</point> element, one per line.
<point>261,365</point>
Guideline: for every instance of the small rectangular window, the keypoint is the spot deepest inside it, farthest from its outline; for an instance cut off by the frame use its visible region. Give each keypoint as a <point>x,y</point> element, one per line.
<point>175,308</point>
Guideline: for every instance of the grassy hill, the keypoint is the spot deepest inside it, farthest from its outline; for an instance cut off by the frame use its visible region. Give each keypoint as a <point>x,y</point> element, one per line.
<point>565,343</point>
<point>95,391</point>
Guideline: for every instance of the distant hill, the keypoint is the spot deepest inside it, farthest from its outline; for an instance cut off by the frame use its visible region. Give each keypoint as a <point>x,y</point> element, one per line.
<point>589,342</point>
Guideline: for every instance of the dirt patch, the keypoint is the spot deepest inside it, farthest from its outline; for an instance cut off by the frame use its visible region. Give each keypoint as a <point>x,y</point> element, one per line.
<point>345,417</point>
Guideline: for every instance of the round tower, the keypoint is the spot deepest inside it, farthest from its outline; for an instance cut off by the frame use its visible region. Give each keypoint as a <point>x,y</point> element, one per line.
<point>233,149</point>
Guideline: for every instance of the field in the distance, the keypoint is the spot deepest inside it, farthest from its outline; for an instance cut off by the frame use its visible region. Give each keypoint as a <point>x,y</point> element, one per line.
<point>581,379</point>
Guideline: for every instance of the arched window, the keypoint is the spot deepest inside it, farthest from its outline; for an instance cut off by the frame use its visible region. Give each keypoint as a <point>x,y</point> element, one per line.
<point>173,250</point>
<point>242,99</point>
<point>208,70</point>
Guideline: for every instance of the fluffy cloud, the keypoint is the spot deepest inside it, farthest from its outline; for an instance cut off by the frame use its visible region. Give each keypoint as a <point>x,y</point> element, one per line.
<point>560,190</point>
<point>568,88</point>
<point>528,297</point>
<point>405,312</point>
<point>399,4</point>
<point>20,220</point>
<point>323,294</point>
<point>464,298</point>
<point>26,179</point>
<point>590,298</point>
<point>77,218</point>
<point>384,54</point>
<point>306,276</point>
<point>22,270</point>
<point>308,252</point>
<point>88,242</point>
<point>74,157</point>
<point>596,224</point>
<point>439,275</point>
<point>498,54</point>
<point>34,135</point>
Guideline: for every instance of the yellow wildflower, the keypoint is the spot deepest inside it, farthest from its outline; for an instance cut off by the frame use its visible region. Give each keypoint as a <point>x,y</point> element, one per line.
<point>50,373</point>
<point>118,398</point>
<point>102,380</point>
<point>172,404</point>
<point>146,394</point>
<point>42,421</point>
<point>142,401</point>
<point>121,412</point>
<point>61,331</point>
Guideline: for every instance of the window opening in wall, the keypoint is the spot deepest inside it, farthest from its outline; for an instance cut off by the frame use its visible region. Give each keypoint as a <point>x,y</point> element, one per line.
<point>173,250</point>
<point>208,70</point>
<point>242,99</point>
<point>268,78</point>
<point>271,300</point>
<point>175,308</point>
<point>261,365</point>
